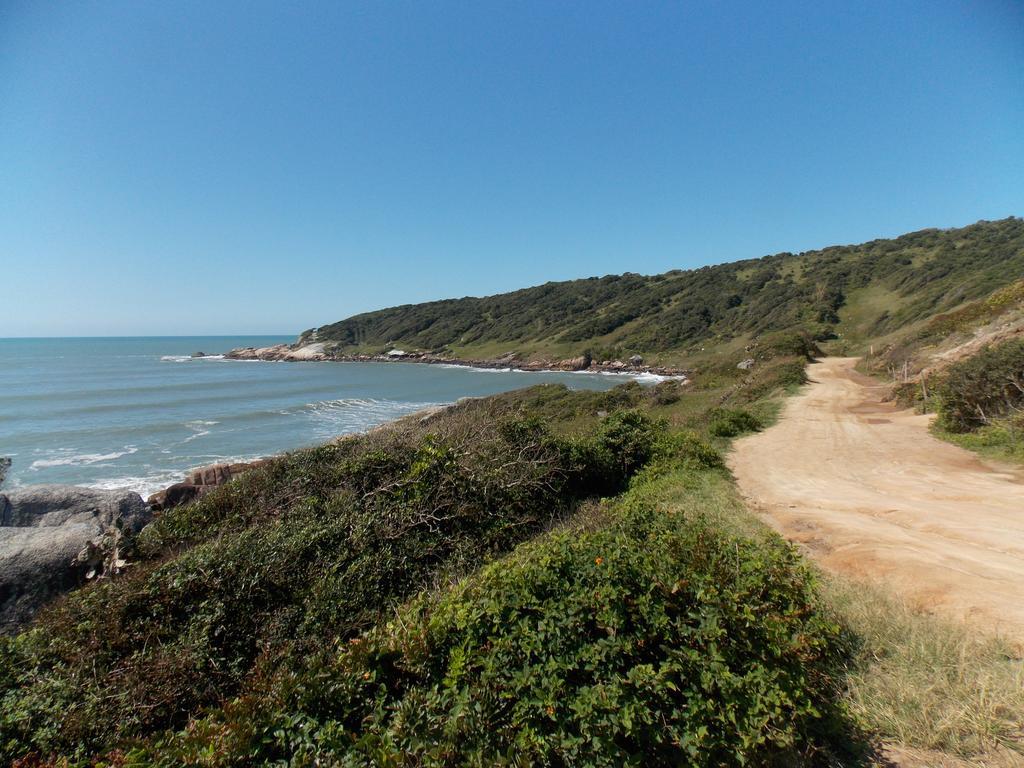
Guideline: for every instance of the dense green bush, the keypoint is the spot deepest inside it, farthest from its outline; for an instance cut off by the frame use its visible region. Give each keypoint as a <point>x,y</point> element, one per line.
<point>730,422</point>
<point>785,344</point>
<point>983,388</point>
<point>780,373</point>
<point>667,392</point>
<point>656,641</point>
<point>319,545</point>
<point>629,436</point>
<point>689,449</point>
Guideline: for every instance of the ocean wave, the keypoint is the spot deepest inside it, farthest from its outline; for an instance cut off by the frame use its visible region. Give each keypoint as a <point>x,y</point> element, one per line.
<point>158,479</point>
<point>188,358</point>
<point>644,377</point>
<point>199,429</point>
<point>82,459</point>
<point>144,485</point>
<point>456,366</point>
<point>354,414</point>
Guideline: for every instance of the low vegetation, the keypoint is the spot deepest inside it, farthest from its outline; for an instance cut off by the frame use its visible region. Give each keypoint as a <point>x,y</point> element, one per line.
<point>650,638</point>
<point>924,682</point>
<point>979,400</point>
<point>320,545</point>
<point>365,631</point>
<point>984,389</point>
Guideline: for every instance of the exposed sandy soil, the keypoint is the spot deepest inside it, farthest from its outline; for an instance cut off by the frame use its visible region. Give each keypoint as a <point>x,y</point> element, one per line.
<point>869,492</point>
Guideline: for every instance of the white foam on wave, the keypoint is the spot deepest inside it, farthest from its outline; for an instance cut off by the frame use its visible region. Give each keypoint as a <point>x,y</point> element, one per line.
<point>82,459</point>
<point>199,429</point>
<point>158,479</point>
<point>188,358</point>
<point>455,366</point>
<point>144,485</point>
<point>353,414</point>
<point>644,377</point>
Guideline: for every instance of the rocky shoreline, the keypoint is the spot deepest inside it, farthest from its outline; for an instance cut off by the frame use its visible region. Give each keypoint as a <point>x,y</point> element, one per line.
<point>321,352</point>
<point>54,538</point>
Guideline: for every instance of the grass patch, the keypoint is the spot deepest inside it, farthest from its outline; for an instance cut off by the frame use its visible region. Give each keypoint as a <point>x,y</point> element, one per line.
<point>927,683</point>
<point>1002,440</point>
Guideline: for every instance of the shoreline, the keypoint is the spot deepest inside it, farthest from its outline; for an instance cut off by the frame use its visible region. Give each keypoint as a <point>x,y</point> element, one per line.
<point>166,481</point>
<point>318,352</point>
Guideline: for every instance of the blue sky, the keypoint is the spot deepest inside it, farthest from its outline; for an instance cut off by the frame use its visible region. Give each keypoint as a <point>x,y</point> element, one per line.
<point>216,167</point>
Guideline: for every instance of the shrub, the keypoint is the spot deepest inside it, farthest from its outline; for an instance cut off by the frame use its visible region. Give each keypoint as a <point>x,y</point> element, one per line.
<point>986,386</point>
<point>690,450</point>
<point>666,392</point>
<point>780,373</point>
<point>658,641</point>
<point>796,343</point>
<point>629,436</point>
<point>730,422</point>
<point>319,545</point>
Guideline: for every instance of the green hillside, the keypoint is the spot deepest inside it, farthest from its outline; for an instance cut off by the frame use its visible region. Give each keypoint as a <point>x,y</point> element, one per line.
<point>865,290</point>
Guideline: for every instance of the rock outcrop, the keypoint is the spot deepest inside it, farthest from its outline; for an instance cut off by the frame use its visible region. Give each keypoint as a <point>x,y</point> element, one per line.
<point>287,352</point>
<point>53,536</point>
<point>5,464</point>
<point>199,482</point>
<point>580,363</point>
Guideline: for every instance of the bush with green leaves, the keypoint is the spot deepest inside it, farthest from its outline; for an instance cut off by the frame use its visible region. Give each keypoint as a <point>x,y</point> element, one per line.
<point>983,388</point>
<point>317,546</point>
<point>659,640</point>
<point>731,422</point>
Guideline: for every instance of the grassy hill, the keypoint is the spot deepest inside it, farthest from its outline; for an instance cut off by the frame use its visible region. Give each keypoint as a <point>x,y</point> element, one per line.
<point>858,291</point>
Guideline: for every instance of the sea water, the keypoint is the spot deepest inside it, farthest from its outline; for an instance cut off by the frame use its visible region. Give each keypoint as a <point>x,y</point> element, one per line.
<point>137,413</point>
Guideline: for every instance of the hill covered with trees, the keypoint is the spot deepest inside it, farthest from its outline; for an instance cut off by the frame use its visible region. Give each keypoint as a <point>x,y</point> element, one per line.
<point>860,291</point>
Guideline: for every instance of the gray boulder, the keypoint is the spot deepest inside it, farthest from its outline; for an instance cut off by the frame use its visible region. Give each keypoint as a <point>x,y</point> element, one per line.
<point>53,536</point>
<point>5,464</point>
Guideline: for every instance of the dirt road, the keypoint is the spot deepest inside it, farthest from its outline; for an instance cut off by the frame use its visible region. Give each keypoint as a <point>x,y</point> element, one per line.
<point>869,492</point>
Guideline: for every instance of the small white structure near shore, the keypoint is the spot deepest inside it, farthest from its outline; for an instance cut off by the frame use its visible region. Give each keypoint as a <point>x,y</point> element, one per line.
<point>397,353</point>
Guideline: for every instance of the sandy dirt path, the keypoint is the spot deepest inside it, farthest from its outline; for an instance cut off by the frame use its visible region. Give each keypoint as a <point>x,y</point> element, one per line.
<point>868,491</point>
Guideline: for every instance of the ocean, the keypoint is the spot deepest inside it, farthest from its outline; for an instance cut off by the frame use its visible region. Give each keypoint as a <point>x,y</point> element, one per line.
<point>137,413</point>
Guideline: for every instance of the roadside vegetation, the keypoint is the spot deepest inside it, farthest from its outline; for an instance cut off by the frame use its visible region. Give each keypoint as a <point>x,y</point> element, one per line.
<point>979,399</point>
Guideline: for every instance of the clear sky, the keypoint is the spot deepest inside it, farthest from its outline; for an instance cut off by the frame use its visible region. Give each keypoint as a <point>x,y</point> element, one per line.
<point>228,167</point>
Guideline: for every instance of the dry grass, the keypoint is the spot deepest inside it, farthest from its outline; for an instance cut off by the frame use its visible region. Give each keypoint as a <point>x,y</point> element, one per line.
<point>929,684</point>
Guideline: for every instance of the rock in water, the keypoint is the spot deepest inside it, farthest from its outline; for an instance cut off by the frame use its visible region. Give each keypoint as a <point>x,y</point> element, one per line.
<point>5,464</point>
<point>43,531</point>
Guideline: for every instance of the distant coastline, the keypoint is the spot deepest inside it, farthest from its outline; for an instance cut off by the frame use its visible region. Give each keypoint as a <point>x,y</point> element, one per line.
<point>140,413</point>
<point>320,352</point>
